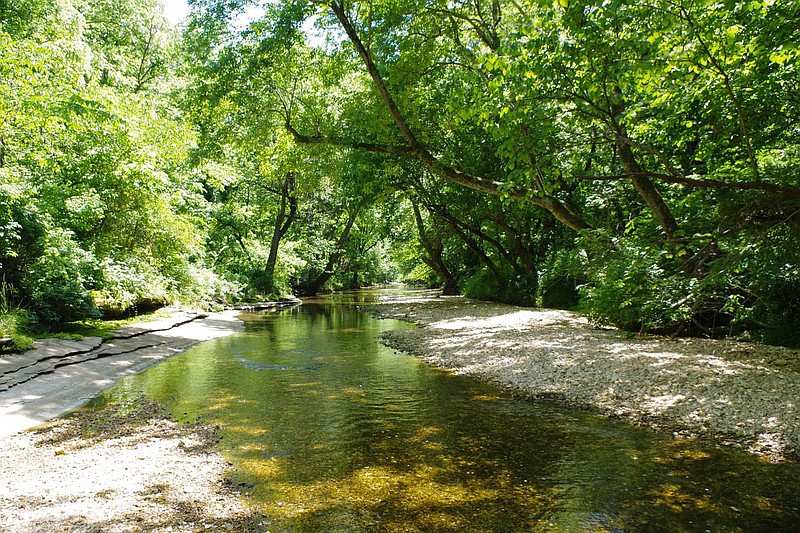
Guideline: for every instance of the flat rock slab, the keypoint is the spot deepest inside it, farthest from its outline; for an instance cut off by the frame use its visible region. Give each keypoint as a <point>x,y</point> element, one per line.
<point>45,352</point>
<point>61,374</point>
<point>49,354</point>
<point>162,324</point>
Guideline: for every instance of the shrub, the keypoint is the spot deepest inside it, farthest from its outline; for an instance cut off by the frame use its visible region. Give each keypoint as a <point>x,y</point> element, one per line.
<point>14,321</point>
<point>511,288</point>
<point>58,282</point>
<point>732,287</point>
<point>125,284</point>
<point>632,286</point>
<point>561,275</point>
<point>197,286</point>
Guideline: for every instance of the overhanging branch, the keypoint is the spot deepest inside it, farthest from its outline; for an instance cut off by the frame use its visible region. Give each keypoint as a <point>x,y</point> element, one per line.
<point>333,141</point>
<point>700,183</point>
<point>416,150</point>
<point>496,188</point>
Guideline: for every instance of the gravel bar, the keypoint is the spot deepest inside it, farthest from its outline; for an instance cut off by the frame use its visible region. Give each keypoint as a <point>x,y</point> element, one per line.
<point>732,393</point>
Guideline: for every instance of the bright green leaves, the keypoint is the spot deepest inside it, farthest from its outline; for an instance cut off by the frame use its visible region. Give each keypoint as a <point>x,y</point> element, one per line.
<point>496,64</point>
<point>59,280</point>
<point>104,200</point>
<point>785,54</point>
<point>131,42</point>
<point>596,112</point>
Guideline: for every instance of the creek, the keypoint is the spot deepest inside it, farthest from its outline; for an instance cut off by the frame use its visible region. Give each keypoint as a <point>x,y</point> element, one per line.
<point>329,430</point>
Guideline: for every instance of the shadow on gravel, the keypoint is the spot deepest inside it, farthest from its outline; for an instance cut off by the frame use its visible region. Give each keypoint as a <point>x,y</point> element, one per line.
<point>157,505</point>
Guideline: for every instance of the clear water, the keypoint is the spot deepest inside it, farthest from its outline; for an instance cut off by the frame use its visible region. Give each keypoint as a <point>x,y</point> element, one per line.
<point>335,432</point>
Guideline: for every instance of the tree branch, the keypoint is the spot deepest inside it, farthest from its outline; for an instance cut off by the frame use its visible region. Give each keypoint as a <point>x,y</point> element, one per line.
<point>332,141</point>
<point>349,28</point>
<point>415,149</point>
<point>700,183</point>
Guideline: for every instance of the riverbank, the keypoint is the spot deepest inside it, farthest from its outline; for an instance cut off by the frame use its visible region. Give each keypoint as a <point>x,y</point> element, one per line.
<point>124,468</point>
<point>730,393</point>
<point>131,468</point>
<point>58,375</point>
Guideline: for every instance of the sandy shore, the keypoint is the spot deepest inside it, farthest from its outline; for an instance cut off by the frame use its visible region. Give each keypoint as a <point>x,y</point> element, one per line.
<point>733,393</point>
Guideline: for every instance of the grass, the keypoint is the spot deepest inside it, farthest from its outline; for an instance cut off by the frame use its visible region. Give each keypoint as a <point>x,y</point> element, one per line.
<point>15,322</point>
<point>96,327</point>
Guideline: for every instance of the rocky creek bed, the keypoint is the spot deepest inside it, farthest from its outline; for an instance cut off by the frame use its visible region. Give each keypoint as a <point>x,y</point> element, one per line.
<point>132,468</point>
<point>731,393</point>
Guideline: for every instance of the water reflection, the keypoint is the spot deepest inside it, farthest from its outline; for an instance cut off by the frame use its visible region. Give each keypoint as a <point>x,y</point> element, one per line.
<point>335,432</point>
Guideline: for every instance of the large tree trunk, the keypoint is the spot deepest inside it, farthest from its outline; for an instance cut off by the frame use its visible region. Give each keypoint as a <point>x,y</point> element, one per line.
<point>333,260</point>
<point>433,249</point>
<point>473,246</point>
<point>527,257</point>
<point>460,229</point>
<point>648,191</point>
<point>641,182</point>
<point>282,224</point>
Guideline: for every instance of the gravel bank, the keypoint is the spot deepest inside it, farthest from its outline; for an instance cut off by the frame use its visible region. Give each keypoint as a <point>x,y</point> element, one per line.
<point>733,393</point>
<point>127,468</point>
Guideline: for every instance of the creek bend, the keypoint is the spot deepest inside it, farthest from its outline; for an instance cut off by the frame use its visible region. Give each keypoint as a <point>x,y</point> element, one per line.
<point>331,431</point>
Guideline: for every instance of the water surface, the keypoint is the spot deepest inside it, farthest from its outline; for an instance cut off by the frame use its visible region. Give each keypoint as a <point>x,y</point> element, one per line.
<point>331,431</point>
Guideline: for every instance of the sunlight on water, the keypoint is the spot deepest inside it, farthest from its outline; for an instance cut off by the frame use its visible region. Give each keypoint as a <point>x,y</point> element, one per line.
<point>330,430</point>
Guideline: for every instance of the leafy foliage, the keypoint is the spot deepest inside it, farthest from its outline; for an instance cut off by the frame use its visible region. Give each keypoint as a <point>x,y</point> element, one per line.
<point>641,158</point>
<point>632,286</point>
<point>15,322</point>
<point>95,208</point>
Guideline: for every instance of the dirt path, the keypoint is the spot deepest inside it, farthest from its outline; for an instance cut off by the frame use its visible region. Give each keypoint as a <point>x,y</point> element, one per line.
<point>734,393</point>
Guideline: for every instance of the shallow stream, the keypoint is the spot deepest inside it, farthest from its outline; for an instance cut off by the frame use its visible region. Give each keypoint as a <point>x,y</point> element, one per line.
<point>328,430</point>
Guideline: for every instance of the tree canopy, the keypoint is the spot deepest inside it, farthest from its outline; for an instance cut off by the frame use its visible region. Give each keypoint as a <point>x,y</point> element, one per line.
<point>639,162</point>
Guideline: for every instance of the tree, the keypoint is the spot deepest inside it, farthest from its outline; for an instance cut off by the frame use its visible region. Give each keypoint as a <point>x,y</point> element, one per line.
<point>585,105</point>
<point>99,210</point>
<point>643,156</point>
<point>432,242</point>
<point>132,41</point>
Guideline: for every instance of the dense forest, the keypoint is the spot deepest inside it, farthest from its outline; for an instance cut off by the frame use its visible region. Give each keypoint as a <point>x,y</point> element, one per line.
<point>637,161</point>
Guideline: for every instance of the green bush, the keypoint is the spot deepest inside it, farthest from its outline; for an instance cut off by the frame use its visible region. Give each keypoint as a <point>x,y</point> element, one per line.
<point>198,286</point>
<point>761,287</point>
<point>14,321</point>
<point>511,289</point>
<point>632,286</point>
<point>58,282</point>
<point>125,284</point>
<point>720,288</point>
<point>62,300</point>
<point>561,275</point>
